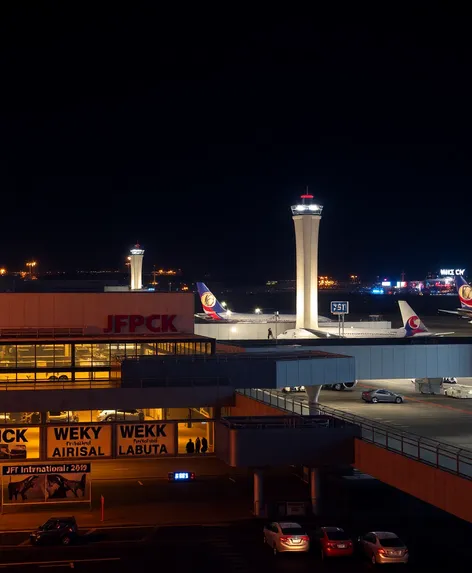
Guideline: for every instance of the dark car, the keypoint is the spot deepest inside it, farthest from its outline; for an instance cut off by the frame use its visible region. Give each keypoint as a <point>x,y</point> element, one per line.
<point>56,530</point>
<point>333,542</point>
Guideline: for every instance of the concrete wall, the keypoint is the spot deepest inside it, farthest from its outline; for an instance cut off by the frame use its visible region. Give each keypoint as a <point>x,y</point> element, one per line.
<point>285,445</point>
<point>315,372</point>
<point>246,371</point>
<point>228,349</point>
<point>107,399</point>
<point>244,406</point>
<point>91,310</point>
<point>239,373</point>
<point>241,331</point>
<point>415,361</point>
<point>437,487</point>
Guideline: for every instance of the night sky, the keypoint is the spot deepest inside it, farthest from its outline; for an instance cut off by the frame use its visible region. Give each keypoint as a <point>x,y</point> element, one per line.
<point>195,132</point>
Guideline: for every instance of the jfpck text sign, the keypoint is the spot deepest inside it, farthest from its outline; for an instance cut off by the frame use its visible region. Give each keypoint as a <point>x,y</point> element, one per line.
<point>339,307</point>
<point>117,323</point>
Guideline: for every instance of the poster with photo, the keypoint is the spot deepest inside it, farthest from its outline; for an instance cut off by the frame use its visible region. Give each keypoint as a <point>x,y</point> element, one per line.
<point>48,486</point>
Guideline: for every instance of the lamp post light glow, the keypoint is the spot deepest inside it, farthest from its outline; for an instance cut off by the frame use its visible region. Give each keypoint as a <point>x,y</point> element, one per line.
<point>31,265</point>
<point>224,304</point>
<point>306,217</point>
<point>258,311</point>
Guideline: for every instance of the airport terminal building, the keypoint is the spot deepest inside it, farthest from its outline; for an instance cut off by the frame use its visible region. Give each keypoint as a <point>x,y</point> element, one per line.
<point>84,337</point>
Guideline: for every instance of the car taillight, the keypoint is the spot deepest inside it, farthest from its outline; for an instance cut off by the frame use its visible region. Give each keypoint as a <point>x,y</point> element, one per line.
<point>305,538</point>
<point>284,539</point>
<point>381,552</point>
<point>331,544</point>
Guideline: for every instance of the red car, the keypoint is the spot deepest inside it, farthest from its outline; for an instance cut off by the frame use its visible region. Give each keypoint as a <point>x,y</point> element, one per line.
<point>334,542</point>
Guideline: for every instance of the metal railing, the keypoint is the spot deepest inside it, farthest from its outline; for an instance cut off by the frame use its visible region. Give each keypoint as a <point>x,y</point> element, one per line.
<point>285,422</point>
<point>426,450</point>
<point>41,332</point>
<point>176,382</point>
<point>58,385</point>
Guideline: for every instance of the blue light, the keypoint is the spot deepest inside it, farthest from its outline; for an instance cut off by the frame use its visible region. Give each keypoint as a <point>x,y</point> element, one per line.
<point>377,291</point>
<point>181,475</point>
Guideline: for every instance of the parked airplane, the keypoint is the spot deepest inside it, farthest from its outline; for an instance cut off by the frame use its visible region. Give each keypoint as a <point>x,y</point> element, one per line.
<point>464,291</point>
<point>213,310</point>
<point>413,327</point>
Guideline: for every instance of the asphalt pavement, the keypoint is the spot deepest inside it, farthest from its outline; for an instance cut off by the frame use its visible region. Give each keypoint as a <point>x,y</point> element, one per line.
<point>441,418</point>
<point>210,499</point>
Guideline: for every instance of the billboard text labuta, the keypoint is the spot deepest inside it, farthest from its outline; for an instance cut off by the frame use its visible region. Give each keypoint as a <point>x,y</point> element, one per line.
<point>79,441</point>
<point>145,439</point>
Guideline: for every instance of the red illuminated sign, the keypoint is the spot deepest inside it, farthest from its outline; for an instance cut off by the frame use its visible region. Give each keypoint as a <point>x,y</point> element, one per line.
<point>133,322</point>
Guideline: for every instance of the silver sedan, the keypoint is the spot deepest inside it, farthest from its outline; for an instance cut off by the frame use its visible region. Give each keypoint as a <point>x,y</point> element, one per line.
<point>381,395</point>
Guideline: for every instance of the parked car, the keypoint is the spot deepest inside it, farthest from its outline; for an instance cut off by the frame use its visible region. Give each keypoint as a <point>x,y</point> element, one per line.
<point>381,395</point>
<point>56,530</point>
<point>333,542</point>
<point>286,537</point>
<point>383,547</point>
<point>288,389</point>
<point>121,415</point>
<point>63,416</point>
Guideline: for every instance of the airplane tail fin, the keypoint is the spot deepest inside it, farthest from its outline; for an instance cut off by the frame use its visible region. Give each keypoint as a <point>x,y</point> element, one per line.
<point>411,322</point>
<point>210,304</point>
<point>464,291</point>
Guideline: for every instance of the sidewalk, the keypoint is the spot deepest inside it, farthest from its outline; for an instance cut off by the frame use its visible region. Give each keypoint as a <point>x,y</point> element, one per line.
<point>153,514</point>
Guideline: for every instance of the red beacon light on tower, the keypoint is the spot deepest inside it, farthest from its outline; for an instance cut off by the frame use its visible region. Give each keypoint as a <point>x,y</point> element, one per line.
<point>307,206</point>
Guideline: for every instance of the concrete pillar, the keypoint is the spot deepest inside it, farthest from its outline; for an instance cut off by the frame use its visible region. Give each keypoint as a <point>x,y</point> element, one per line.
<point>258,493</point>
<point>315,491</point>
<point>210,435</point>
<point>313,393</point>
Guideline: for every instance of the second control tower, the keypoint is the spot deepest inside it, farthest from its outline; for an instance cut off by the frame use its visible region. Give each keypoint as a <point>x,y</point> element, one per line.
<point>306,217</point>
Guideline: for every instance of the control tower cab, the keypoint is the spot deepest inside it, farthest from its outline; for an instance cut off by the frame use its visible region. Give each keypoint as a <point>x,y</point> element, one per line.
<point>306,217</point>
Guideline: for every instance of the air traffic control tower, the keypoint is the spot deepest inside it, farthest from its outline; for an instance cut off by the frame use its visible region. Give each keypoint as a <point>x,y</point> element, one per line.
<point>136,259</point>
<point>306,217</point>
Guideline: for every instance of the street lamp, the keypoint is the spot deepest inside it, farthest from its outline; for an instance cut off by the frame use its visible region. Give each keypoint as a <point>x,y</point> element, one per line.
<point>258,311</point>
<point>31,265</point>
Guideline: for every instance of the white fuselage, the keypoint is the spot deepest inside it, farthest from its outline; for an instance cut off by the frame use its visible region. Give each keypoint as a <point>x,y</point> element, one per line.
<point>257,318</point>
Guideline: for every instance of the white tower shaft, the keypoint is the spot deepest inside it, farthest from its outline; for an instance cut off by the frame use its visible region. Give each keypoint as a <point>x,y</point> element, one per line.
<point>306,237</point>
<point>136,256</point>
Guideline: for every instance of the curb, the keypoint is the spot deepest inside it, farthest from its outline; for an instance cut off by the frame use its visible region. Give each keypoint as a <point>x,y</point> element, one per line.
<point>104,525</point>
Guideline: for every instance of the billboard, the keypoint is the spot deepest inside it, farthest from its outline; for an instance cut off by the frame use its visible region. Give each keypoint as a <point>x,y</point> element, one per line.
<point>145,439</point>
<point>45,483</point>
<point>79,441</point>
<point>19,443</point>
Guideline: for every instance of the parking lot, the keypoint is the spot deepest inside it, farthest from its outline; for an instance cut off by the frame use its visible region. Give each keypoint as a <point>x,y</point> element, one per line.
<point>350,500</point>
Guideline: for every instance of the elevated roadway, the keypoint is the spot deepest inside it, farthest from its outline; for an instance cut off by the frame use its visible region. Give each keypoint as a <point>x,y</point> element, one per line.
<point>440,418</point>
